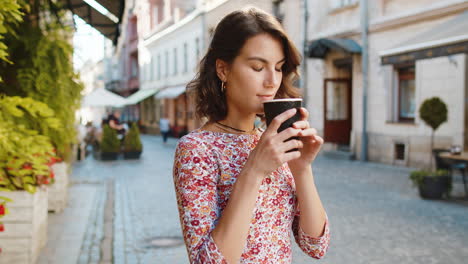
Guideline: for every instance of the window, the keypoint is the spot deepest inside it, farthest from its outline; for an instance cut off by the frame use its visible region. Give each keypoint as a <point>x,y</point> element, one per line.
<point>166,71</point>
<point>406,93</point>
<point>175,61</point>
<point>185,57</point>
<point>134,66</point>
<point>152,69</point>
<point>343,3</point>
<point>197,48</point>
<point>159,66</point>
<point>155,16</point>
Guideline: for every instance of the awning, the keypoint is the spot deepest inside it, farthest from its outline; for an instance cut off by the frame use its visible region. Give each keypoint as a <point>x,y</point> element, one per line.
<point>107,23</point>
<point>171,92</point>
<point>140,96</point>
<point>320,47</point>
<point>450,37</point>
<point>103,97</point>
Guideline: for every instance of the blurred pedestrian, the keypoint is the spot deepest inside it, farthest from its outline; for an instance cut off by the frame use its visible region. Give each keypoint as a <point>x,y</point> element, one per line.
<point>164,127</point>
<point>238,187</point>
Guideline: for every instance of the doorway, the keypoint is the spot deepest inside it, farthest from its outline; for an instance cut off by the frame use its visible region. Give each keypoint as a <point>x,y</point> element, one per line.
<point>338,110</point>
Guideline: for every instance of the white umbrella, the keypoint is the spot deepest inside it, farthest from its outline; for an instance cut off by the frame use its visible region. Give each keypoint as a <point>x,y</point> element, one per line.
<point>103,97</point>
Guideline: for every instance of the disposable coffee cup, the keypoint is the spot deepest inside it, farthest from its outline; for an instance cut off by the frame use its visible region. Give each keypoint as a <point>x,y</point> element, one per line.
<point>272,108</point>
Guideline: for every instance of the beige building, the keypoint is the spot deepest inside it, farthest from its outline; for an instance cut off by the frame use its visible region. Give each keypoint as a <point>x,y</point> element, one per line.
<point>416,50</point>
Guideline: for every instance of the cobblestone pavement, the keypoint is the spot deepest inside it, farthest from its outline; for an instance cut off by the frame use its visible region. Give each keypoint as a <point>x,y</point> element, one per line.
<point>375,214</point>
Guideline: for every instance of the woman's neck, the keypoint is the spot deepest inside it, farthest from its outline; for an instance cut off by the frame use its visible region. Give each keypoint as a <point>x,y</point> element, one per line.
<point>240,122</point>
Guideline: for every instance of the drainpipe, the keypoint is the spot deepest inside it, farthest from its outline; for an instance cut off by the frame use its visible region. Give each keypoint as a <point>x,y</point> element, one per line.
<point>304,54</point>
<point>365,75</point>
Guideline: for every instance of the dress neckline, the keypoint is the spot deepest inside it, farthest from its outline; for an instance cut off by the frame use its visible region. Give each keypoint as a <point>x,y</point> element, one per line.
<point>200,130</point>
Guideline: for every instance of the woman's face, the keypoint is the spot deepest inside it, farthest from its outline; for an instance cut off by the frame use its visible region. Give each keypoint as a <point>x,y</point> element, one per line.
<point>255,74</point>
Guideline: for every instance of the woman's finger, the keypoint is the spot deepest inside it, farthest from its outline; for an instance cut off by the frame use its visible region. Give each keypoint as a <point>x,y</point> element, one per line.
<point>308,132</point>
<point>304,113</point>
<point>287,134</point>
<point>278,120</point>
<point>301,124</point>
<point>291,156</point>
<point>291,144</point>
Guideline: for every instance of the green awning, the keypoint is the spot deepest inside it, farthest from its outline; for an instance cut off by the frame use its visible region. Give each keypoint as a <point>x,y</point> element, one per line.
<point>320,47</point>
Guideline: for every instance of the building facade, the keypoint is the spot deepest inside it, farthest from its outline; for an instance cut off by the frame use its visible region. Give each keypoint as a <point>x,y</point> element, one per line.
<point>169,57</point>
<point>416,50</point>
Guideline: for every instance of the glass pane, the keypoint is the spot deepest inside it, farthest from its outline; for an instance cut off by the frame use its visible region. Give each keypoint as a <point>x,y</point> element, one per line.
<point>407,103</point>
<point>337,101</point>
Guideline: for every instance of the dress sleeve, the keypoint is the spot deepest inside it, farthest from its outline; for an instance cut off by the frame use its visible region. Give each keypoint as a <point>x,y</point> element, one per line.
<point>315,247</point>
<point>195,178</point>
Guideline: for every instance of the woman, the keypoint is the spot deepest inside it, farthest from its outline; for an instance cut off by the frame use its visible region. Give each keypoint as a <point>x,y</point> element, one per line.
<point>238,189</point>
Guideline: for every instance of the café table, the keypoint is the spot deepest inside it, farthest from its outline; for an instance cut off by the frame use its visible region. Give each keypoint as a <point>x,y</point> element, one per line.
<point>457,158</point>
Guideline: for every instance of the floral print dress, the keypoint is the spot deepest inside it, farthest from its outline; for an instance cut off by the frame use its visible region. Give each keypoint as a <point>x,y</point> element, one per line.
<point>206,166</point>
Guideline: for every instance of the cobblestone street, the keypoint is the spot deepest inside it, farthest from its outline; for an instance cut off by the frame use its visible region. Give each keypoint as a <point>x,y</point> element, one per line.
<point>375,214</point>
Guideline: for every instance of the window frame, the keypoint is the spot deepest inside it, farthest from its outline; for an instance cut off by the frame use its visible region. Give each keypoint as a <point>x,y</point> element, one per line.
<point>404,77</point>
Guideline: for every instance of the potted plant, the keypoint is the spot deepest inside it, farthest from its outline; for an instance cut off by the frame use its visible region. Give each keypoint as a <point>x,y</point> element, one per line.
<point>110,144</point>
<point>132,146</point>
<point>432,183</point>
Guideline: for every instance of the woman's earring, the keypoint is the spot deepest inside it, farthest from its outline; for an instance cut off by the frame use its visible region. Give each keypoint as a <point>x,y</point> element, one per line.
<point>223,86</point>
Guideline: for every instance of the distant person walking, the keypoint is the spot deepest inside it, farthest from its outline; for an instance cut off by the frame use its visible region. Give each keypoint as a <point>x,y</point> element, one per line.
<point>164,128</point>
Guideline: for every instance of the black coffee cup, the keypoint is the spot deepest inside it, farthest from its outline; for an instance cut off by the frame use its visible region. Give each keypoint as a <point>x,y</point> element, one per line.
<point>272,108</point>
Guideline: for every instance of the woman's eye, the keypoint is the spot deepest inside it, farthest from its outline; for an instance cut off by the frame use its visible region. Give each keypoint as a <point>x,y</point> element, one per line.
<point>257,69</point>
<point>279,70</point>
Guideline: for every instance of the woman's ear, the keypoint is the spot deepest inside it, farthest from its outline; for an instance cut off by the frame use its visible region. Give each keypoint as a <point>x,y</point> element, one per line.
<point>222,69</point>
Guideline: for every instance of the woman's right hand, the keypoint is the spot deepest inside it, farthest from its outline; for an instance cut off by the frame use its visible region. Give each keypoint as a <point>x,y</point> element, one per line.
<point>271,150</point>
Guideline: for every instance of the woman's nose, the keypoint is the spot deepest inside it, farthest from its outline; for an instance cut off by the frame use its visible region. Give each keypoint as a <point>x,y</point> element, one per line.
<point>271,78</point>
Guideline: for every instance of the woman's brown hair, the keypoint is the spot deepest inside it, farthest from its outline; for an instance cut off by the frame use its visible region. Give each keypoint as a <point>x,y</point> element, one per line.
<point>229,37</point>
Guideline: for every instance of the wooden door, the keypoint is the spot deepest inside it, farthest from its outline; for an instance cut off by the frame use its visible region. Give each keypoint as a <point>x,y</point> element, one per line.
<point>338,111</point>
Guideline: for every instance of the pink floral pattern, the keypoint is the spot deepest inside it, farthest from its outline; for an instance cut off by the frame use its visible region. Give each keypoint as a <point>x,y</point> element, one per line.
<point>206,165</point>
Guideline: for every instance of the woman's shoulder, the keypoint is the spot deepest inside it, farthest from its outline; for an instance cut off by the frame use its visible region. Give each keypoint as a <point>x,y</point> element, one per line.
<point>196,139</point>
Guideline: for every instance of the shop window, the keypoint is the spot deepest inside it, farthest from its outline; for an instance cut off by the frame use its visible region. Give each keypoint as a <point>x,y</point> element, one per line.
<point>185,57</point>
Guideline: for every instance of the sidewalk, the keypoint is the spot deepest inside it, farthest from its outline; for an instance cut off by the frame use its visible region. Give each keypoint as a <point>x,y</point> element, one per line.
<point>125,212</point>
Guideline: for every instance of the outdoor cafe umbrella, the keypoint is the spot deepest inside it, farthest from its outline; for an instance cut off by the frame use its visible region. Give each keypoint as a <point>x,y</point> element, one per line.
<point>103,97</point>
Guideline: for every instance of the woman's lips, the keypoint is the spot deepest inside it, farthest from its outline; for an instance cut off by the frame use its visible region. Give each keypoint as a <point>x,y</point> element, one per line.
<point>265,97</point>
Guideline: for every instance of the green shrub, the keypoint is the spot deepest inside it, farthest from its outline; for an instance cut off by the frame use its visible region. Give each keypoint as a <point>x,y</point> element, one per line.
<point>417,176</point>
<point>132,141</point>
<point>110,142</point>
<point>433,112</point>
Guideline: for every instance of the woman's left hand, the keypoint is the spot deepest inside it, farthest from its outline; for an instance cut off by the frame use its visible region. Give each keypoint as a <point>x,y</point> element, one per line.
<point>312,142</point>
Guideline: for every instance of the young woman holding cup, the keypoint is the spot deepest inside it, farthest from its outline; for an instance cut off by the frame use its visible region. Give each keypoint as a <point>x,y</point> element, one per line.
<point>240,190</point>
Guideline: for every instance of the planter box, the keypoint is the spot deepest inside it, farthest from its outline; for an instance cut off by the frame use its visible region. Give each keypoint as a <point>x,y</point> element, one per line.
<point>25,227</point>
<point>58,192</point>
<point>434,187</point>
<point>106,156</point>
<point>132,154</point>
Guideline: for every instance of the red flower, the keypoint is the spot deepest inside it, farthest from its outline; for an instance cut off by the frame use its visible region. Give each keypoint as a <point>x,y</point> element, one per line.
<point>195,222</point>
<point>2,228</point>
<point>196,159</point>
<point>268,180</point>
<point>2,209</point>
<point>52,175</point>
<point>27,166</point>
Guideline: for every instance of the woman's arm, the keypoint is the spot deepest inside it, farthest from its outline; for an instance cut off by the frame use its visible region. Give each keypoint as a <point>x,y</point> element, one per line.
<point>232,230</point>
<point>313,216</point>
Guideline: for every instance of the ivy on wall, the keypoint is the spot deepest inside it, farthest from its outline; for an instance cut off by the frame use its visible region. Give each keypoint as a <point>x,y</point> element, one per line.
<point>40,67</point>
